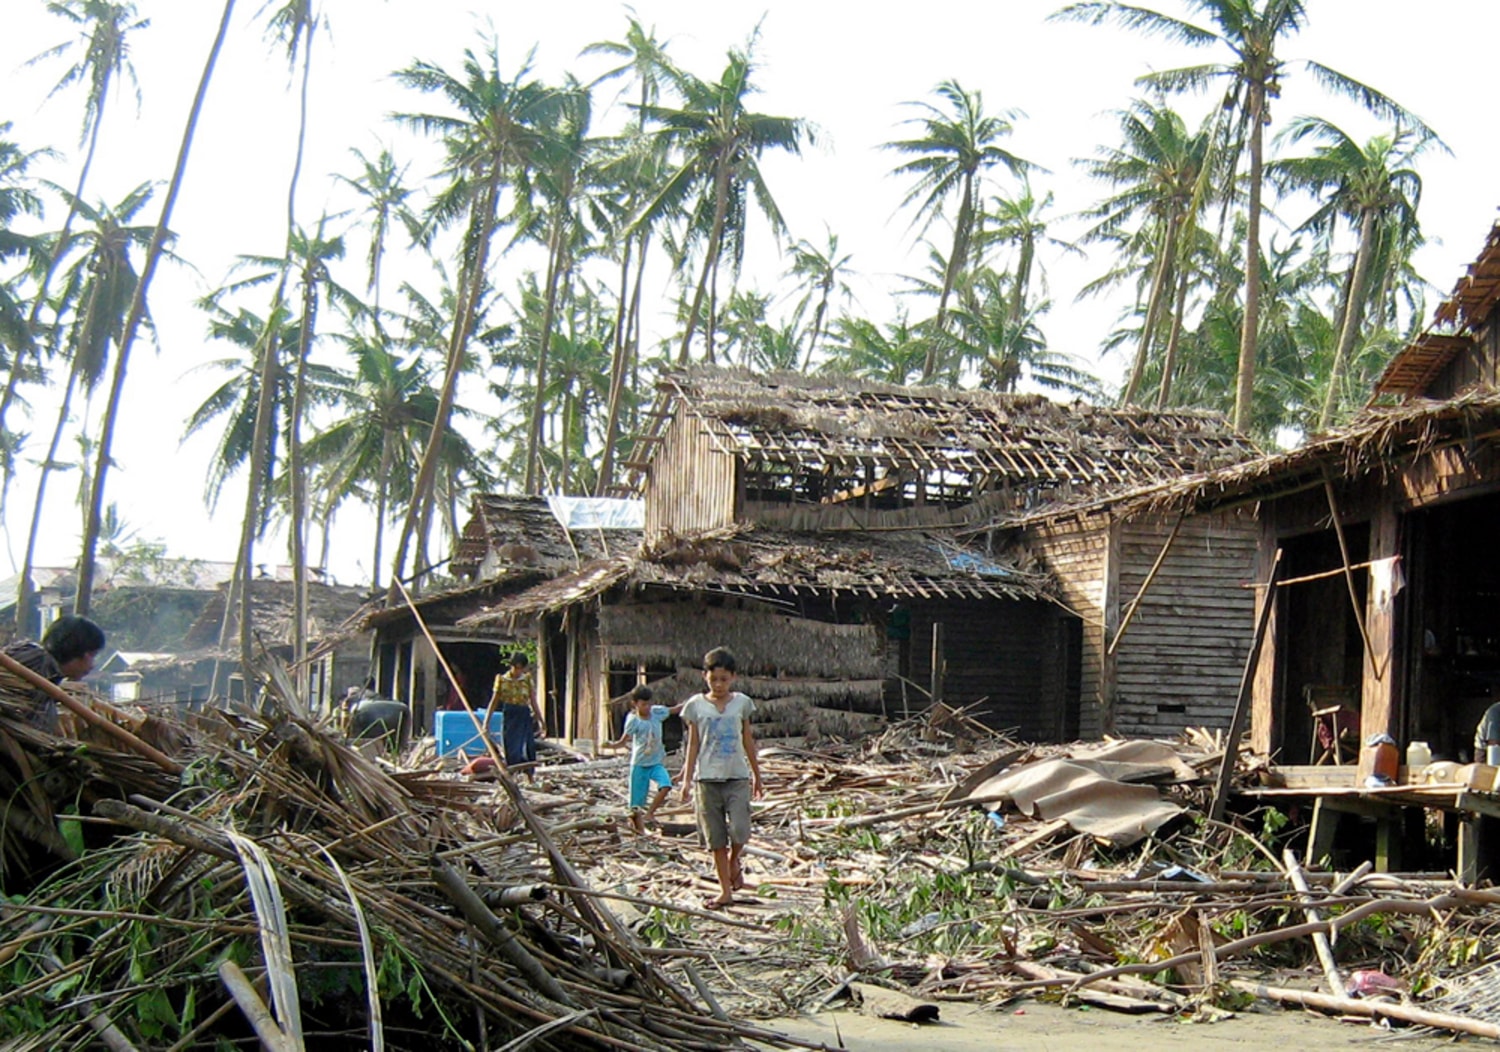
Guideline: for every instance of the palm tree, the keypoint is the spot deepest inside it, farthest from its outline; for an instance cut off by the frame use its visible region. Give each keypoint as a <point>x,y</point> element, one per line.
<point>133,321</point>
<point>1160,176</point>
<point>1007,348</point>
<point>634,170</point>
<point>96,294</point>
<point>493,138</point>
<point>1251,31</point>
<point>18,198</point>
<point>958,143</point>
<point>381,183</point>
<point>860,347</point>
<point>104,28</point>
<point>720,142</point>
<point>1375,190</point>
<point>374,444</point>
<point>825,271</point>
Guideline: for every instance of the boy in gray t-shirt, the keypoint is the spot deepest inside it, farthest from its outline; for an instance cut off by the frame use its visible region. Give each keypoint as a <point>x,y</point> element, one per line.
<point>721,757</point>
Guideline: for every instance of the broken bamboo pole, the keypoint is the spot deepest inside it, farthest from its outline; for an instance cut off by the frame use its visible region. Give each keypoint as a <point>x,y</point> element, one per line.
<point>1319,938</point>
<point>1242,702</point>
<point>260,1018</point>
<point>1376,1009</point>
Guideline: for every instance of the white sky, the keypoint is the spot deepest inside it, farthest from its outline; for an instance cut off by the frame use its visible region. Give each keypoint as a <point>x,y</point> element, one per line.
<point>846,67</point>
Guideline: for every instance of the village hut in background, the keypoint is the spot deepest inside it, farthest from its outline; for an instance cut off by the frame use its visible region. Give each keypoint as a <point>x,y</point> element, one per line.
<point>810,508</point>
<point>509,544</point>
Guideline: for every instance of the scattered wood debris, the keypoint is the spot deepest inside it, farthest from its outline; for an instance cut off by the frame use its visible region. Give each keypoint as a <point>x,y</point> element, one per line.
<point>278,884</point>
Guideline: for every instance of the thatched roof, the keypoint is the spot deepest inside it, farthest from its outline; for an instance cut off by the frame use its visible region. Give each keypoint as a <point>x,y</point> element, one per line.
<point>751,561</point>
<point>1377,440</point>
<point>1468,306</point>
<point>328,608</point>
<point>523,532</point>
<point>817,424</point>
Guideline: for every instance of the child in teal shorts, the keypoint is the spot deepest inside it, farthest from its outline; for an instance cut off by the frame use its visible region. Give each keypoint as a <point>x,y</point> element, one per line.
<point>648,755</point>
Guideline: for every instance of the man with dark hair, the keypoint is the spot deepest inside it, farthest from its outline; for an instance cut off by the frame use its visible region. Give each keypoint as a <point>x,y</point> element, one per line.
<point>67,651</point>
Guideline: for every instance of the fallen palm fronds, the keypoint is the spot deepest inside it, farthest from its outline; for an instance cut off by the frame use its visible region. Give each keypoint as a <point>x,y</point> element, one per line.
<point>417,902</point>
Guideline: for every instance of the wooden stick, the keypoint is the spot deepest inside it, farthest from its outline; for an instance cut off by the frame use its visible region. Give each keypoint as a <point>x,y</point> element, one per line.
<point>1351,1006</point>
<point>1242,703</point>
<point>1320,938</point>
<point>89,716</point>
<point>266,1027</point>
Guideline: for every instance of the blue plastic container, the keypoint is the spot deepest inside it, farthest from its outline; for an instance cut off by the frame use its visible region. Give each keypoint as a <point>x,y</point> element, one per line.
<point>457,730</point>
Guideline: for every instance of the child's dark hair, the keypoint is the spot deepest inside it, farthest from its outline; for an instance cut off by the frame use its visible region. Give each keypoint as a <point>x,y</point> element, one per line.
<point>72,637</point>
<point>719,657</point>
<point>518,658</point>
<point>641,693</point>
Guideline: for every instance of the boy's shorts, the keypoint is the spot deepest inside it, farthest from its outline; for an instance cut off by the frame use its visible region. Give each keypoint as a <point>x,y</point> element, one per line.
<point>641,779</point>
<point>724,812</point>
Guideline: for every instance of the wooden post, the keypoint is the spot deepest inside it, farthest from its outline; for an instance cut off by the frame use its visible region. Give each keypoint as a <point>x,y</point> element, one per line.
<point>1242,703</point>
<point>937,664</point>
<point>1377,711</point>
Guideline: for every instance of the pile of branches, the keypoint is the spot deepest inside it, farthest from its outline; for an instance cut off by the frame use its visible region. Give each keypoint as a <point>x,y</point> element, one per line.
<point>266,882</point>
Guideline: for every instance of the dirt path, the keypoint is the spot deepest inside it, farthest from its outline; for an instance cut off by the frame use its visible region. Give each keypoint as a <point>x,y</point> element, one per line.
<point>1034,1027</point>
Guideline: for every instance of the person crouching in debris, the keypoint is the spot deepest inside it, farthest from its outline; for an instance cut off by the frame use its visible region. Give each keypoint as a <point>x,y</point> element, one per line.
<point>722,758</point>
<point>648,757</point>
<point>67,651</point>
<point>515,693</point>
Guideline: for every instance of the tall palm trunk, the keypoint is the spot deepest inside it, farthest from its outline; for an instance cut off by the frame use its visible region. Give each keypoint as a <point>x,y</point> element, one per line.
<point>710,260</point>
<point>295,469</point>
<point>1159,282</point>
<point>24,593</point>
<point>1249,333</point>
<point>544,342</point>
<point>133,323</point>
<point>957,258</point>
<point>382,498</point>
<point>1353,314</point>
<point>482,226</point>
<point>617,364</point>
<point>1174,337</point>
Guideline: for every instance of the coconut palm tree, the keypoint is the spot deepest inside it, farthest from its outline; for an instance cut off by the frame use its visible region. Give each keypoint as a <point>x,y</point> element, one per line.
<point>92,306</point>
<point>18,197</point>
<point>382,185</point>
<point>104,29</point>
<point>1160,175</point>
<point>958,143</point>
<point>491,138</point>
<point>1375,190</point>
<point>893,354</point>
<point>825,273</point>
<point>720,142</point>
<point>1250,30</point>
<point>136,316</point>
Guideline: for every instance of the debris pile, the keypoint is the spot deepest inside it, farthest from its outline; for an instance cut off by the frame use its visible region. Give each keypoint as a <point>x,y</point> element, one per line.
<point>267,881</point>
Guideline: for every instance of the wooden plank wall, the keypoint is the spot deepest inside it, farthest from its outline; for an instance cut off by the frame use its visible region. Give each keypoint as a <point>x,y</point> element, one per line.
<point>1076,555</point>
<point>1482,366</point>
<point>1004,655</point>
<point>692,485</point>
<point>1181,657</point>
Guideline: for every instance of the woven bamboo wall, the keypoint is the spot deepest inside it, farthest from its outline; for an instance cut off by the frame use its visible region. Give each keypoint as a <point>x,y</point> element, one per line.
<point>692,481</point>
<point>765,642</point>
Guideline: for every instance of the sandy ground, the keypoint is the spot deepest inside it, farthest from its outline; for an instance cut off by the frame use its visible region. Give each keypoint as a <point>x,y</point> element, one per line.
<point>1035,1027</point>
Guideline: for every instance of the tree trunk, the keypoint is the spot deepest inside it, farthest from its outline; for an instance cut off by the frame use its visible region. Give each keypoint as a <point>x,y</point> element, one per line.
<point>1159,282</point>
<point>1250,332</point>
<point>710,261</point>
<point>298,484</point>
<point>482,225</point>
<point>382,492</point>
<point>1169,360</point>
<point>544,339</point>
<point>133,322</point>
<point>24,593</point>
<point>1353,312</point>
<point>956,261</point>
<point>616,375</point>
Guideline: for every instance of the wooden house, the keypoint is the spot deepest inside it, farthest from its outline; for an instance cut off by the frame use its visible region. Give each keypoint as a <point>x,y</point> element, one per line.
<point>827,507</point>
<point>508,545</point>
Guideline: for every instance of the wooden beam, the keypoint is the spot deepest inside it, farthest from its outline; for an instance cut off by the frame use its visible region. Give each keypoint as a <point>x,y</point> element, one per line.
<point>1242,703</point>
<point>1141,592</point>
<point>1377,689</point>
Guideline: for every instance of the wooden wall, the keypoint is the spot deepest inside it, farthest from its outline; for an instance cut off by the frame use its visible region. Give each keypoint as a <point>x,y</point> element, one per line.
<point>1077,555</point>
<point>1180,658</point>
<point>1006,656</point>
<point>692,485</point>
<point>1482,366</point>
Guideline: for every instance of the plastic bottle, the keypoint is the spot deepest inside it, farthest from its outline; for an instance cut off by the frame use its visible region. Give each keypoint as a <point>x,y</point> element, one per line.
<point>1418,756</point>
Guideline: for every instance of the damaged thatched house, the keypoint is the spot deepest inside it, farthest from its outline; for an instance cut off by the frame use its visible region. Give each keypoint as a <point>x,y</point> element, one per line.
<point>812,521</point>
<point>1388,599</point>
<point>508,545</point>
